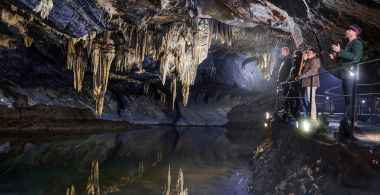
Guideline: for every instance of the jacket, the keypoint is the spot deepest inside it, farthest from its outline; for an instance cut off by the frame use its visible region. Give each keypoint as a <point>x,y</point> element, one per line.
<point>284,70</point>
<point>349,56</point>
<point>311,67</point>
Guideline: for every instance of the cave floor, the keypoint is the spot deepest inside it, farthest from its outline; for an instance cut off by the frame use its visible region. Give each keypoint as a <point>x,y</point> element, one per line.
<point>369,134</point>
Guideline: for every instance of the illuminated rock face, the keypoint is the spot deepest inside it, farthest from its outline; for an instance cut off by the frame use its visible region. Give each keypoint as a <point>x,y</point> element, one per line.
<point>115,39</point>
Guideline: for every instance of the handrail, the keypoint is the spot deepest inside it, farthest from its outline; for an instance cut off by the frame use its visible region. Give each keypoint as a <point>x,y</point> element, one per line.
<point>331,70</point>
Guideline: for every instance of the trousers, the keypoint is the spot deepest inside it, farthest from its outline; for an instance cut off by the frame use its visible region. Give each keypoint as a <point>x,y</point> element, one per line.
<point>313,105</point>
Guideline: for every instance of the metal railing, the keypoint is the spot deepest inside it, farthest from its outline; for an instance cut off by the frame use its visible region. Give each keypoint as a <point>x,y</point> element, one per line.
<point>333,96</point>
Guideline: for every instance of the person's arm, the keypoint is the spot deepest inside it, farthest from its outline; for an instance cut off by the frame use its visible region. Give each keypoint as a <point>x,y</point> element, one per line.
<point>355,54</point>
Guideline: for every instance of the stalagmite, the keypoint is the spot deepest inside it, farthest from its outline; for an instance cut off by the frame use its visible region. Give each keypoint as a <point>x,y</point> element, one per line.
<point>44,8</point>
<point>102,56</point>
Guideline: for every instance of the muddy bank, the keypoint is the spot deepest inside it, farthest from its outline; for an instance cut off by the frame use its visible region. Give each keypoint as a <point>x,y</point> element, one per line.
<point>290,162</point>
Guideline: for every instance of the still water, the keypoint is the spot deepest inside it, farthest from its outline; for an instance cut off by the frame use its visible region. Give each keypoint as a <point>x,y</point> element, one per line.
<point>214,160</point>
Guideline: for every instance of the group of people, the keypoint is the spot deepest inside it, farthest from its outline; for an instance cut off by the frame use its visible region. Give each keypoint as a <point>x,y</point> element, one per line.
<point>299,79</point>
<point>296,77</point>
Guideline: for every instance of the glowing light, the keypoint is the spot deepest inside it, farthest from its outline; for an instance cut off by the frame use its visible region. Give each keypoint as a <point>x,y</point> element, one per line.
<point>352,74</point>
<point>267,115</point>
<point>363,101</point>
<point>297,124</point>
<point>306,126</point>
<point>265,124</point>
<point>327,98</point>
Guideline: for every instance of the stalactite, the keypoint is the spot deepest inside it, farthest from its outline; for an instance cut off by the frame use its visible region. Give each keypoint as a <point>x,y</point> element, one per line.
<point>184,47</point>
<point>162,96</point>
<point>13,19</point>
<point>122,77</point>
<point>70,53</point>
<point>27,40</point>
<point>7,41</point>
<point>90,38</point>
<point>102,56</point>
<point>44,8</point>
<point>173,88</point>
<point>146,88</point>
<point>185,93</point>
<point>79,68</point>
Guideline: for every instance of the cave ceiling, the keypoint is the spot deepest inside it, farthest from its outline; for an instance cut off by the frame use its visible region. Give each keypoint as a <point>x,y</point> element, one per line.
<point>108,37</point>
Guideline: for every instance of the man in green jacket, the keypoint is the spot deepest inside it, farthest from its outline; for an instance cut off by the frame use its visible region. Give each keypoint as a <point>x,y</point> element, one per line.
<point>348,58</point>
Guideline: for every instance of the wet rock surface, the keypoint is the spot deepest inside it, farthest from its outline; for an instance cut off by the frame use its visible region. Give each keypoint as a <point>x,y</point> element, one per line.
<point>292,163</point>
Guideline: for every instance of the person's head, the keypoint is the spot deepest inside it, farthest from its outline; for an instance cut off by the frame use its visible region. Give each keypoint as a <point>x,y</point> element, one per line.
<point>285,51</point>
<point>297,54</point>
<point>353,31</point>
<point>311,53</point>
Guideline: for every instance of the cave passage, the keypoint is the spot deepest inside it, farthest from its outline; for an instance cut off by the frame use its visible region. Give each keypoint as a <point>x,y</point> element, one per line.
<point>187,97</point>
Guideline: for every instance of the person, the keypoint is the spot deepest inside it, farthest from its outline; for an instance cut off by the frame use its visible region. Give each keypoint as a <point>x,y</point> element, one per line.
<point>283,73</point>
<point>295,86</point>
<point>348,57</point>
<point>311,68</point>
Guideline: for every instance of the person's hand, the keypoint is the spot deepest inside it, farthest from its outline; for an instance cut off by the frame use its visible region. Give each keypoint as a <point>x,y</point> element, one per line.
<point>336,48</point>
<point>332,56</point>
<point>304,56</point>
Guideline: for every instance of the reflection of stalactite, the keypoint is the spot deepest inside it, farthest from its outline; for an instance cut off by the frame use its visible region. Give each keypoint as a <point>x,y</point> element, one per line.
<point>93,180</point>
<point>102,56</point>
<point>70,190</point>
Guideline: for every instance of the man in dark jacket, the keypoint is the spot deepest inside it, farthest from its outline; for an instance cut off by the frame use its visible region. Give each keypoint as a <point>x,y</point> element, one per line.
<point>348,58</point>
<point>283,74</point>
<point>295,88</point>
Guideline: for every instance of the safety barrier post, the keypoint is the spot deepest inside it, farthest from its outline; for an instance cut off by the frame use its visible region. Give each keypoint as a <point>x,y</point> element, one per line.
<point>331,104</point>
<point>371,116</point>
<point>353,101</point>
<point>311,95</point>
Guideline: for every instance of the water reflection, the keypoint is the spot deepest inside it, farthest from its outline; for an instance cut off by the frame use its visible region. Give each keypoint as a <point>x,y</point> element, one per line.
<point>214,161</point>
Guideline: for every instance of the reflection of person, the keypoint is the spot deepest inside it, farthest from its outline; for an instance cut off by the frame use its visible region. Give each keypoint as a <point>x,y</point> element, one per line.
<point>348,57</point>
<point>295,87</point>
<point>283,73</point>
<point>310,68</point>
